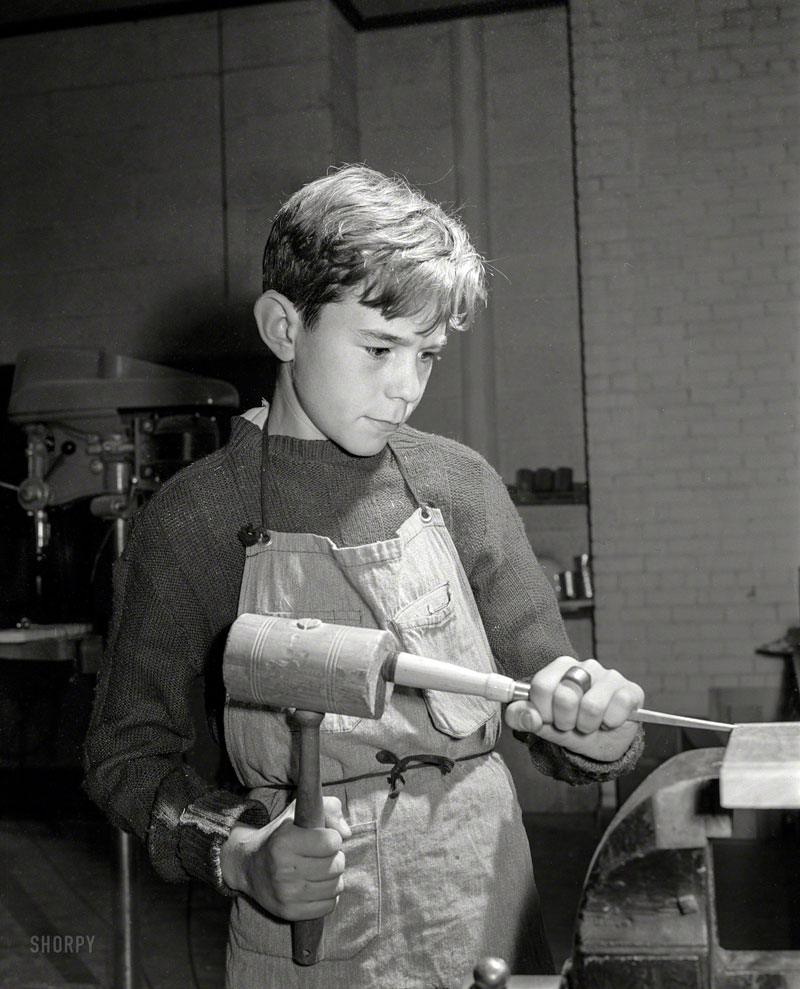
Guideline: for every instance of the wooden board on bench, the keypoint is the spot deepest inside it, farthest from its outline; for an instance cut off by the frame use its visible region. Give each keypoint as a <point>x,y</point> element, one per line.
<point>761,766</point>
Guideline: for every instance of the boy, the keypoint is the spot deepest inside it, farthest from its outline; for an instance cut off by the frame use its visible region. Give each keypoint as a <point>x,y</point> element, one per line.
<point>351,516</point>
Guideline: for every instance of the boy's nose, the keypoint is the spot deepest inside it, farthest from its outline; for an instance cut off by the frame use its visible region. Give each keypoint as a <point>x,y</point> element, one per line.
<point>405,382</point>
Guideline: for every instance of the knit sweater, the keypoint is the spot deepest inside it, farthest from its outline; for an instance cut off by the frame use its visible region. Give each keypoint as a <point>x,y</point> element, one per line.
<point>176,592</point>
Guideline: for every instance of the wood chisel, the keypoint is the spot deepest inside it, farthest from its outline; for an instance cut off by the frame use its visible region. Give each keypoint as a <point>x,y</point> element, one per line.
<point>678,720</point>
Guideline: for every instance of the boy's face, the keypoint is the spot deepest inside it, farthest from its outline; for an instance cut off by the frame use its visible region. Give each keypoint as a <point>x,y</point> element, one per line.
<point>358,376</point>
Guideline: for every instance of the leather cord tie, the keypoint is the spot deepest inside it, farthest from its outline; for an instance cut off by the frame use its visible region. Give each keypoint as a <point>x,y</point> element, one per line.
<point>396,777</point>
<point>398,767</point>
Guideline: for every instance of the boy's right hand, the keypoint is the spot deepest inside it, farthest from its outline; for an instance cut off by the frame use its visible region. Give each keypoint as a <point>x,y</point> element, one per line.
<point>294,873</point>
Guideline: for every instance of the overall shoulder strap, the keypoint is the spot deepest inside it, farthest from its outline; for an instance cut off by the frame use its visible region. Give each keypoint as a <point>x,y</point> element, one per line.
<point>264,473</point>
<point>423,473</point>
<point>250,534</point>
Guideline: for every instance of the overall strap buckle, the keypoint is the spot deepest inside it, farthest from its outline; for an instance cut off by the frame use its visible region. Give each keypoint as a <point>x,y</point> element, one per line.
<point>249,535</point>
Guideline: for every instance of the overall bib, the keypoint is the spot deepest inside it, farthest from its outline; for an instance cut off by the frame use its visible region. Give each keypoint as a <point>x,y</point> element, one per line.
<point>438,870</point>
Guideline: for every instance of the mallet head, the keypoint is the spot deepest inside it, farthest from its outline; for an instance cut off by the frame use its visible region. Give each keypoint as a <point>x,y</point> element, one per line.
<point>308,664</point>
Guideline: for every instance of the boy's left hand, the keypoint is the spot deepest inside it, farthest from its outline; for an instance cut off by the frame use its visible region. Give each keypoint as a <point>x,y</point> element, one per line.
<point>561,713</point>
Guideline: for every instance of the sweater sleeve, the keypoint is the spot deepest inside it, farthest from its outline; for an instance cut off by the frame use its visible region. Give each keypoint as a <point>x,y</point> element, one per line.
<point>524,625</point>
<point>142,725</point>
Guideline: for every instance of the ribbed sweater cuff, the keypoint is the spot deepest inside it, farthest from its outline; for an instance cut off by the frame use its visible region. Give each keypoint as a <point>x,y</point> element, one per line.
<point>576,769</point>
<point>204,828</point>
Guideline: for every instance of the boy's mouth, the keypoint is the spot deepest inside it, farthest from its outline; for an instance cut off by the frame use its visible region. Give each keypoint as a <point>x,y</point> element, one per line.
<point>386,423</point>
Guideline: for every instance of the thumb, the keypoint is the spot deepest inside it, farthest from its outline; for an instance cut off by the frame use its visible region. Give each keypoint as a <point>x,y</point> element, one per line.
<point>275,823</point>
<point>523,716</point>
<point>334,817</point>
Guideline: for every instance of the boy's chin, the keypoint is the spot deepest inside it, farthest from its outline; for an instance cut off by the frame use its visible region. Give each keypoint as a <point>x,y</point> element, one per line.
<point>361,446</point>
<point>366,451</point>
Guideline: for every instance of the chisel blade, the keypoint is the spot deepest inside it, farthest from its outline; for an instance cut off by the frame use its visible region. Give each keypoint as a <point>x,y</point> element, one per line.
<point>678,720</point>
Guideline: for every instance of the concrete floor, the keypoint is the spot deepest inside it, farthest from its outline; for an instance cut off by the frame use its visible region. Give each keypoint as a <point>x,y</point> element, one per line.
<point>56,906</point>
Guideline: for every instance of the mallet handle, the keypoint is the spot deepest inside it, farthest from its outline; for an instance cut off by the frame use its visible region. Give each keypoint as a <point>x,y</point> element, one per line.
<point>308,813</point>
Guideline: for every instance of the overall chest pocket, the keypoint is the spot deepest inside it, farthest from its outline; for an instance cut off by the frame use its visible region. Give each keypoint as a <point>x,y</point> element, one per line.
<point>434,625</point>
<point>433,609</point>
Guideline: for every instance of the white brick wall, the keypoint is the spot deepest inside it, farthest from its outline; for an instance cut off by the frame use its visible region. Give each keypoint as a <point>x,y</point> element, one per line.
<point>687,165</point>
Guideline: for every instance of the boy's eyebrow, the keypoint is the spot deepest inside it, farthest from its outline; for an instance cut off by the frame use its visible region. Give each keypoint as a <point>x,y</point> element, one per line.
<point>381,336</point>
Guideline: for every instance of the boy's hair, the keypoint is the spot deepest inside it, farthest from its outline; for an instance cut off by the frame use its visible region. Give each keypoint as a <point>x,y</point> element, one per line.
<point>356,229</point>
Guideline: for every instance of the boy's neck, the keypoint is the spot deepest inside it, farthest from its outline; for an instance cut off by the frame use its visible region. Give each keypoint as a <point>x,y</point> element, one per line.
<point>286,414</point>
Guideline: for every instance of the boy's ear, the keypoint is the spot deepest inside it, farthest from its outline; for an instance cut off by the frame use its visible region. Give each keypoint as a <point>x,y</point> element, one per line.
<point>278,323</point>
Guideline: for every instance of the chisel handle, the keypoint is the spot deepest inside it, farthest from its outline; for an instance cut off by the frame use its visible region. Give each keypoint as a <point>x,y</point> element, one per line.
<point>409,670</point>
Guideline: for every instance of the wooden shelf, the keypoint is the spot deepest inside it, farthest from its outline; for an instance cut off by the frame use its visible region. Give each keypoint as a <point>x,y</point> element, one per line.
<point>577,495</point>
<point>576,607</point>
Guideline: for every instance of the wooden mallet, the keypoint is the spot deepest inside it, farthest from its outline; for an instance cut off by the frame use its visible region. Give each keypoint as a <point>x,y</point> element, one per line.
<point>311,668</point>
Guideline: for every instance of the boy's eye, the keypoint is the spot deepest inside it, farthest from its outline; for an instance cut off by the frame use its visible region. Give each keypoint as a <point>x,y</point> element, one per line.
<point>427,356</point>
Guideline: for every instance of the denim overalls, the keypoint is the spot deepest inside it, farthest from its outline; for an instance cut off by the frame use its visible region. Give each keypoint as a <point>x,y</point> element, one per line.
<point>438,869</point>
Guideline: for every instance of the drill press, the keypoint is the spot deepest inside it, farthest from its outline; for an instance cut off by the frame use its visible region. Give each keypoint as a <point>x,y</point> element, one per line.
<point>110,429</point>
